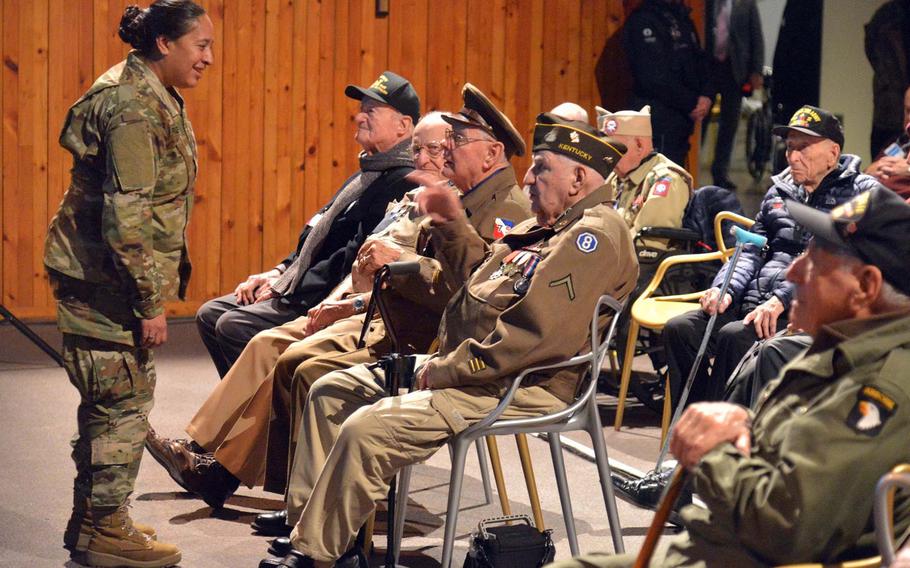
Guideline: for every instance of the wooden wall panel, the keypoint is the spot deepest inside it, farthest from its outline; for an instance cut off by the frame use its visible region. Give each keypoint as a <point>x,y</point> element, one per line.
<point>273,127</point>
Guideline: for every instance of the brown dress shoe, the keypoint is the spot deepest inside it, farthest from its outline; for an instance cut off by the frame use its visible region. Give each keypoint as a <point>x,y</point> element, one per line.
<point>197,473</point>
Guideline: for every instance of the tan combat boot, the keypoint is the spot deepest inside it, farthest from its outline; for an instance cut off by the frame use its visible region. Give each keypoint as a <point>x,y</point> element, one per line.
<point>115,542</point>
<point>79,543</point>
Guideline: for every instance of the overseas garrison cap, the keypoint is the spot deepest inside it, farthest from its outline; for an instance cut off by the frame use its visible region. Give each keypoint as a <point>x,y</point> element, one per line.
<point>577,140</point>
<point>813,121</point>
<point>627,122</point>
<point>873,226</point>
<point>480,112</point>
<point>391,89</point>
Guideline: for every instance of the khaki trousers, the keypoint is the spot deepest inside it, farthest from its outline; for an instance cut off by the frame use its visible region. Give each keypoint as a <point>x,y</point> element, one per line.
<point>353,439</point>
<point>233,421</point>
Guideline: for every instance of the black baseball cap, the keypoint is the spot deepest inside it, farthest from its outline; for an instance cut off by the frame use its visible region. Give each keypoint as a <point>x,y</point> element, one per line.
<point>391,89</point>
<point>813,121</point>
<point>577,140</point>
<point>873,226</point>
<point>480,112</point>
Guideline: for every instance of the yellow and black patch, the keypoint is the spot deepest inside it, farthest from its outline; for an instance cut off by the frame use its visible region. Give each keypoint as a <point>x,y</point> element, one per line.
<point>476,365</point>
<point>872,409</point>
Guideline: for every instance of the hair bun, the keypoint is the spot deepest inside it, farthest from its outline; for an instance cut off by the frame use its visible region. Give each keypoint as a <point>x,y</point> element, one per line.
<point>130,30</point>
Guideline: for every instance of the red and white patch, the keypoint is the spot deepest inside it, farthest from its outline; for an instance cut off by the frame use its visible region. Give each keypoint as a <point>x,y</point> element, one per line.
<point>661,189</point>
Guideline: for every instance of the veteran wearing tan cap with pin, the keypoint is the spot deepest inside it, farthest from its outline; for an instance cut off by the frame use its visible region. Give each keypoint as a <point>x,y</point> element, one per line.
<point>509,315</point>
<point>650,190</point>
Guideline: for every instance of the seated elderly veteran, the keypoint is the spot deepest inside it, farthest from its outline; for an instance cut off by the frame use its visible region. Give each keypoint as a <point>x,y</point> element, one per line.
<point>238,422</point>
<point>650,189</point>
<point>793,481</point>
<point>511,314</point>
<point>325,251</point>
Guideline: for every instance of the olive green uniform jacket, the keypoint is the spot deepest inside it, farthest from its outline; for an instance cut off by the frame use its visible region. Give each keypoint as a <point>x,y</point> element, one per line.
<point>494,327</point>
<point>116,249</point>
<point>654,194</point>
<point>823,434</point>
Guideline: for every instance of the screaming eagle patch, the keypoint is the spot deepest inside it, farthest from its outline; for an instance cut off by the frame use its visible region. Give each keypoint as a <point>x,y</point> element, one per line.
<point>872,409</point>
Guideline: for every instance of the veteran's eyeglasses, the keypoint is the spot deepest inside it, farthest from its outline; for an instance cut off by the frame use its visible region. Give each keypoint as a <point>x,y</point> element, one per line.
<point>458,139</point>
<point>434,148</point>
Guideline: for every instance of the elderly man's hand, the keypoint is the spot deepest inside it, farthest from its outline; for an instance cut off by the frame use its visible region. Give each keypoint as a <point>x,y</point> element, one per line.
<point>764,317</point>
<point>248,291</point>
<point>422,378</point>
<point>327,312</point>
<point>371,257</point>
<point>437,200</point>
<point>704,426</point>
<point>889,167</point>
<point>902,560</point>
<point>702,107</point>
<point>711,302</point>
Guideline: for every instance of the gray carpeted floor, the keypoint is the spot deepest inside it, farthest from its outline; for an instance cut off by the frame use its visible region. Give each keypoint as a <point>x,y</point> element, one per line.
<point>38,409</point>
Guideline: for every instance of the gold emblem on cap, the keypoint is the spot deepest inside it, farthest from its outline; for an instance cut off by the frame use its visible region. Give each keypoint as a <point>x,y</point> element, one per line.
<point>380,84</point>
<point>573,136</point>
<point>853,209</point>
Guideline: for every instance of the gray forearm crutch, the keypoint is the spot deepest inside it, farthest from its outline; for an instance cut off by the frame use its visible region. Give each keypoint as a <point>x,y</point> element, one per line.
<point>743,238</point>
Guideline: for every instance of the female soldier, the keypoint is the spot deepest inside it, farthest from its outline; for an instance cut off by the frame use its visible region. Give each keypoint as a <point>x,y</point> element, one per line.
<point>115,252</point>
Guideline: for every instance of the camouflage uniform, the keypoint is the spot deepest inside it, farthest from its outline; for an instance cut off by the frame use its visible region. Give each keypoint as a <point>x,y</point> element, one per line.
<point>115,251</point>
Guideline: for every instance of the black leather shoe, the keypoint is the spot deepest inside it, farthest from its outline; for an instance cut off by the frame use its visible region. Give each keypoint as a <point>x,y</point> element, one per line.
<point>196,473</point>
<point>293,559</point>
<point>646,491</point>
<point>272,524</point>
<point>281,546</point>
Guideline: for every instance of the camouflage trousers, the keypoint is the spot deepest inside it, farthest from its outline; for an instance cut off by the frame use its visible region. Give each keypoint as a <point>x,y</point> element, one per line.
<point>116,384</point>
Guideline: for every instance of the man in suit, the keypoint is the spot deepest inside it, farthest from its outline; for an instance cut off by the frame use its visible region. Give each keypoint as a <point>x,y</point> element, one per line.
<point>736,51</point>
<point>328,244</point>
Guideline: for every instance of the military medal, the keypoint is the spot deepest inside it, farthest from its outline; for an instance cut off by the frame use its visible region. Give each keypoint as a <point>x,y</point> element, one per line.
<point>522,284</point>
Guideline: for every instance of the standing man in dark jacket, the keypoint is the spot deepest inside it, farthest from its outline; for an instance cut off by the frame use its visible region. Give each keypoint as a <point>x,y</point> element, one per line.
<point>669,70</point>
<point>756,303</point>
<point>736,50</point>
<point>328,244</point>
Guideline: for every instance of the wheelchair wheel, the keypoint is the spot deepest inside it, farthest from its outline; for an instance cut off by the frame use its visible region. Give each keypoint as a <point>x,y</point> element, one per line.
<point>758,143</point>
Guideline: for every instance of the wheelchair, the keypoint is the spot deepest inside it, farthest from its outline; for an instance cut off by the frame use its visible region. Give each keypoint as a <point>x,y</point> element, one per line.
<point>696,236</point>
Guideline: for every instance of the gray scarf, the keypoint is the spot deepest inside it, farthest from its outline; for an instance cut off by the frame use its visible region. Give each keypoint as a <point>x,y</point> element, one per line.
<point>371,167</point>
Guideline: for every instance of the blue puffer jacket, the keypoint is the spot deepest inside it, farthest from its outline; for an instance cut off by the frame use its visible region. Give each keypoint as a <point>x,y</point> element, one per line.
<point>759,274</point>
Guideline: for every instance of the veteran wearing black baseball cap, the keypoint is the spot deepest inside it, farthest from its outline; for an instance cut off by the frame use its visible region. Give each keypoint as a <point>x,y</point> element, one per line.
<point>391,89</point>
<point>813,121</point>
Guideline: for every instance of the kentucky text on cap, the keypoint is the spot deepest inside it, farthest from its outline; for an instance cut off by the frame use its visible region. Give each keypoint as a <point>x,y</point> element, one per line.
<point>814,121</point>
<point>391,89</point>
<point>873,226</point>
<point>577,140</point>
<point>480,112</point>
<point>624,122</point>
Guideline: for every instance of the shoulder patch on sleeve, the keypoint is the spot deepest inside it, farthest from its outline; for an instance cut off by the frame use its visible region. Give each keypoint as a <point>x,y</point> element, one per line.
<point>502,227</point>
<point>872,409</point>
<point>586,242</point>
<point>661,187</point>
<point>132,156</point>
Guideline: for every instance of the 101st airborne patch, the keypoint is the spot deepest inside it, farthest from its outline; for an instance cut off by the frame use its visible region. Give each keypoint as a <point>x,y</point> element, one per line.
<point>872,409</point>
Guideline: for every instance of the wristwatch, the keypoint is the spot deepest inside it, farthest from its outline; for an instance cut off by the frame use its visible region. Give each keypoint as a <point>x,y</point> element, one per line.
<point>359,305</point>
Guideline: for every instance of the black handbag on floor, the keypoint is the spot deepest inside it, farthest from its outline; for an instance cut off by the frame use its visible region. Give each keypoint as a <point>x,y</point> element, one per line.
<point>518,545</point>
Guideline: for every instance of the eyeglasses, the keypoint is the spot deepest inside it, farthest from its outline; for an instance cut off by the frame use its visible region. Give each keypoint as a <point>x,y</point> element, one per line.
<point>434,148</point>
<point>458,139</point>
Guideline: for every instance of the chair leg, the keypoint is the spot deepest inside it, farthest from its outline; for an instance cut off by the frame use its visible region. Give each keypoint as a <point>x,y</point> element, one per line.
<point>524,454</point>
<point>495,462</point>
<point>668,412</point>
<point>485,472</point>
<point>626,372</point>
<point>565,501</point>
<point>595,430</point>
<point>459,448</point>
<point>401,509</point>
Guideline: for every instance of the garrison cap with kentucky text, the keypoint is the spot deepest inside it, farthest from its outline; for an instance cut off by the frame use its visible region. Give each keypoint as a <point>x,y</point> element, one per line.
<point>813,121</point>
<point>873,226</point>
<point>624,122</point>
<point>480,112</point>
<point>577,140</point>
<point>391,89</point>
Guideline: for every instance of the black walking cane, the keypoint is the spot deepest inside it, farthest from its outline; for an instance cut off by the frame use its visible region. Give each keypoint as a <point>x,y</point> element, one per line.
<point>395,366</point>
<point>743,237</point>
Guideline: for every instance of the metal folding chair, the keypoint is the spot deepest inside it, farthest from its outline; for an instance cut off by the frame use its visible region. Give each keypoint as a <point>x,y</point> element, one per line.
<point>582,414</point>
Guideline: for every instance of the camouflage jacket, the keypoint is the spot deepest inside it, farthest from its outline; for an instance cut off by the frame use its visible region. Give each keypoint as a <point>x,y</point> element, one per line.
<point>116,249</point>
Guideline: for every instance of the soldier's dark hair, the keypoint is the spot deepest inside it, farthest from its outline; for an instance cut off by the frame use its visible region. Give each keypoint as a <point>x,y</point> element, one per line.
<point>169,18</point>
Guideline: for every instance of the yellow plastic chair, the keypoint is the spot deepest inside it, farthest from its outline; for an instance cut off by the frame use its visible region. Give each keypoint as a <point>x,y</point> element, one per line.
<point>653,312</point>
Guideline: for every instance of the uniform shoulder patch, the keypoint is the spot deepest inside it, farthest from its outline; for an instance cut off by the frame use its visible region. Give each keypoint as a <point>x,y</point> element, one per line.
<point>586,242</point>
<point>872,409</point>
<point>502,227</point>
<point>661,187</point>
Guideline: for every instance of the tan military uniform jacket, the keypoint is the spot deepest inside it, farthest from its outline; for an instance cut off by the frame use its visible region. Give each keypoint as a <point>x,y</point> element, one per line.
<point>654,194</point>
<point>119,237</point>
<point>823,434</point>
<point>529,297</point>
<point>492,208</point>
